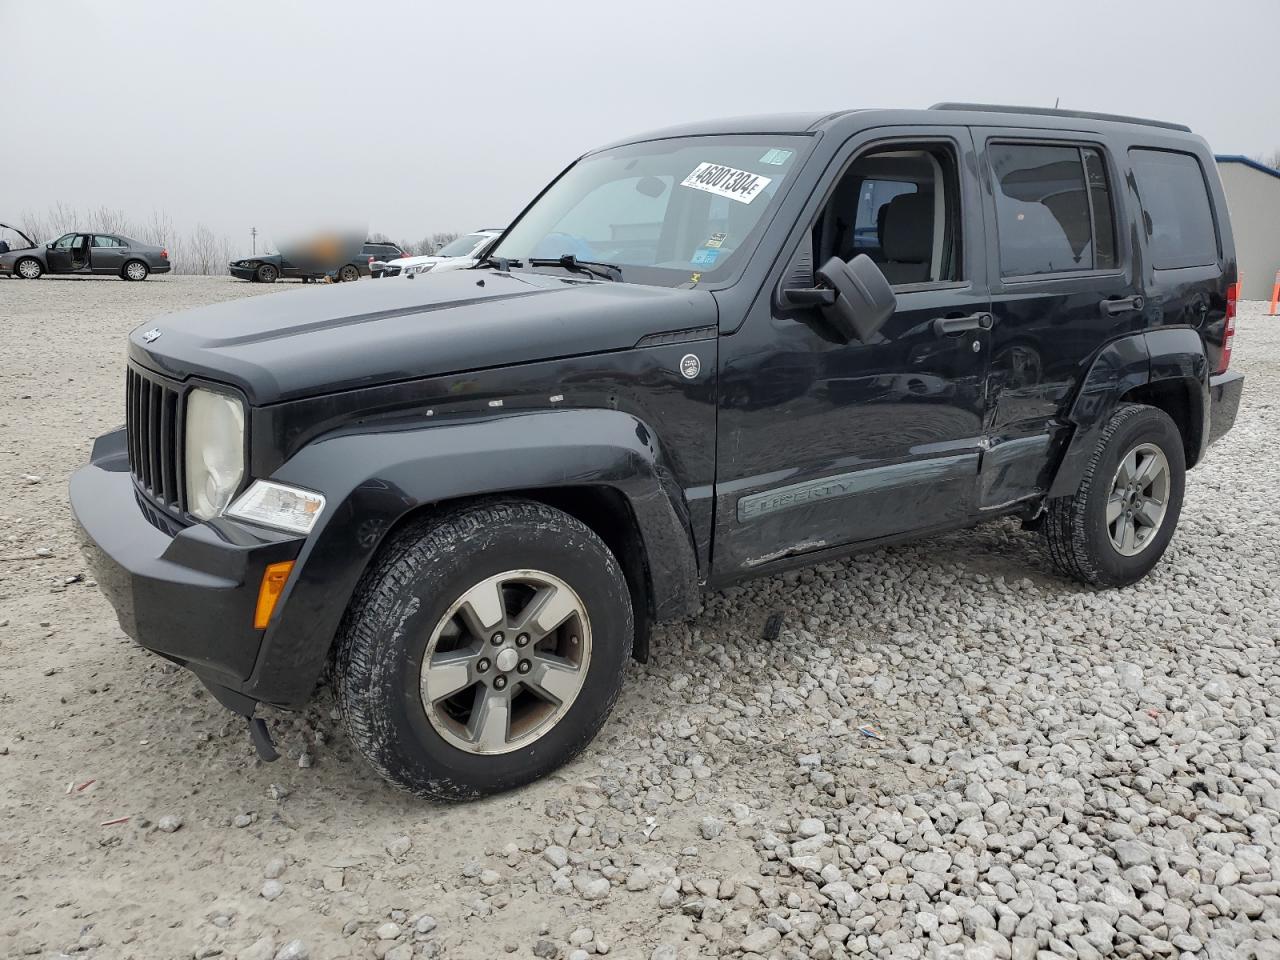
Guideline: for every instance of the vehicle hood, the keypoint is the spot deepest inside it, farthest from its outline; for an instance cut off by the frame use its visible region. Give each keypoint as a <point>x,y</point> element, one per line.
<point>258,258</point>
<point>31,244</point>
<point>286,346</point>
<point>414,261</point>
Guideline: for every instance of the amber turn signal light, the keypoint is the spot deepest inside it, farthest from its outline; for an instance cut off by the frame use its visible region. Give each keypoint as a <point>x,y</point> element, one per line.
<point>273,581</point>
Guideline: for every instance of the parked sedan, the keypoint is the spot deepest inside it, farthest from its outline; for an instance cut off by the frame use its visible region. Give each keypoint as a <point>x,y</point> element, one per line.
<point>108,254</point>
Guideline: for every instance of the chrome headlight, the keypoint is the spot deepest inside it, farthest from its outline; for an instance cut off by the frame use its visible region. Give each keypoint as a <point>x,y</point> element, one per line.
<point>278,505</point>
<point>421,268</point>
<point>214,451</point>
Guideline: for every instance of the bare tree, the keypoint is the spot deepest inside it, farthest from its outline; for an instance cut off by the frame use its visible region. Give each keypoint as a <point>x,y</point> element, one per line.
<point>35,226</point>
<point>109,220</point>
<point>202,251</point>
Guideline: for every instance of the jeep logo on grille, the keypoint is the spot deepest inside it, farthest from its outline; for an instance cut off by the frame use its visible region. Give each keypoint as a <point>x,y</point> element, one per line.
<point>152,335</point>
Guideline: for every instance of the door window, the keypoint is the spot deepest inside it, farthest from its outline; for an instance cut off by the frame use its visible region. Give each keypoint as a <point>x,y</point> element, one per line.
<point>1053,209</point>
<point>1175,209</point>
<point>901,207</point>
<point>103,241</point>
<point>65,243</point>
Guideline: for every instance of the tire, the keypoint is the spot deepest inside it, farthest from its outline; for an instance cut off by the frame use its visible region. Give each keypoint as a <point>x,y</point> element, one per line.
<point>348,273</point>
<point>266,273</point>
<point>135,270</point>
<point>1082,543</point>
<point>28,268</point>
<point>403,612</point>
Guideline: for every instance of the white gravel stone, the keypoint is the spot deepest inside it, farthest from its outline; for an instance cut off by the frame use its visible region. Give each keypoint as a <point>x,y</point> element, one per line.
<point>294,950</point>
<point>1046,770</point>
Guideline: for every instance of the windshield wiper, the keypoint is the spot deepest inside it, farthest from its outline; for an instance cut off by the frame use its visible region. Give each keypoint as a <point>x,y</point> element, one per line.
<point>499,263</point>
<point>594,268</point>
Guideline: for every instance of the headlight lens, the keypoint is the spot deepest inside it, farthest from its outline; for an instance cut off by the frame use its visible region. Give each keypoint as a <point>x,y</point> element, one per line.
<point>215,451</point>
<point>422,268</point>
<point>275,505</point>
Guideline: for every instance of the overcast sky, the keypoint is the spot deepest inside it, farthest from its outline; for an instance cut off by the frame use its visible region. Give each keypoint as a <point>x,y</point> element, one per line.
<point>417,117</point>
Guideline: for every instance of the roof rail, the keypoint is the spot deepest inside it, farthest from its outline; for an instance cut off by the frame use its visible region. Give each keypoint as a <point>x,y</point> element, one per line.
<point>1050,112</point>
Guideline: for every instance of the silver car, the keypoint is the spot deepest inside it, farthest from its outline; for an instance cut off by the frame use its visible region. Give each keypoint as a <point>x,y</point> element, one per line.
<point>108,254</point>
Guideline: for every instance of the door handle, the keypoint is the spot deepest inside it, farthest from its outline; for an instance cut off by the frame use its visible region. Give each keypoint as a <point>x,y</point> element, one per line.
<point>949,326</point>
<point>1121,305</point>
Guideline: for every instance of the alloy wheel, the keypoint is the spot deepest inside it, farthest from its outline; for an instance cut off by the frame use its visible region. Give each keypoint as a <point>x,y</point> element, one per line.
<point>29,269</point>
<point>135,270</point>
<point>506,662</point>
<point>1139,499</point>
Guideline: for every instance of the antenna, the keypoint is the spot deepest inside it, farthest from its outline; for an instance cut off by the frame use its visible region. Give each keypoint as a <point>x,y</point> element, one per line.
<point>253,232</point>
<point>1055,102</point>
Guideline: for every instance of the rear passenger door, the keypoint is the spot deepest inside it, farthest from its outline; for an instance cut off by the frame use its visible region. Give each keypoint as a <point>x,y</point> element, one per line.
<point>107,254</point>
<point>1063,283</point>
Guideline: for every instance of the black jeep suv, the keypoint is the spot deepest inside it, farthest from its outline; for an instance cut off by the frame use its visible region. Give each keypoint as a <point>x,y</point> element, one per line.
<point>700,355</point>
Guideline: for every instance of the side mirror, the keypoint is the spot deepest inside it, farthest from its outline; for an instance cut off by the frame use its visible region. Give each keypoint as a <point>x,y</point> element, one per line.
<point>854,297</point>
<point>49,245</point>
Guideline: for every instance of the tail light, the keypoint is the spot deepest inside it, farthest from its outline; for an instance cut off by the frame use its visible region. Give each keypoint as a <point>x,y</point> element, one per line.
<point>164,253</point>
<point>1229,330</point>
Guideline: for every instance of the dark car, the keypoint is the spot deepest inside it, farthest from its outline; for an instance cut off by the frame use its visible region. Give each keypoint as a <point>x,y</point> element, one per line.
<point>108,254</point>
<point>270,267</point>
<point>378,254</point>
<point>468,501</point>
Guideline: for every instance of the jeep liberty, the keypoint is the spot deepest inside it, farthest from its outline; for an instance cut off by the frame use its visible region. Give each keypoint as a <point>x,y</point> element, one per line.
<point>699,355</point>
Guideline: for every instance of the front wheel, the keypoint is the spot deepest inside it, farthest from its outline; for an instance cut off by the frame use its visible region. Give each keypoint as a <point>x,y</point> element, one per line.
<point>28,268</point>
<point>349,273</point>
<point>266,273</point>
<point>484,649</point>
<point>1116,526</point>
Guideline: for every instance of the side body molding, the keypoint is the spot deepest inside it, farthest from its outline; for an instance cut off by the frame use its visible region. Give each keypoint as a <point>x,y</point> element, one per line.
<point>1171,356</point>
<point>375,474</point>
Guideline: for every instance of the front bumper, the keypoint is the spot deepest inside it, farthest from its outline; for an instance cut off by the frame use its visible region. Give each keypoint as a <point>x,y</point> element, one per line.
<point>1224,402</point>
<point>242,273</point>
<point>188,593</point>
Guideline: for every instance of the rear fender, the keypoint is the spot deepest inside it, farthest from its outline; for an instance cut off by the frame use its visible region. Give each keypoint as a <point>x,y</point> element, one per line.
<point>373,477</point>
<point>1172,357</point>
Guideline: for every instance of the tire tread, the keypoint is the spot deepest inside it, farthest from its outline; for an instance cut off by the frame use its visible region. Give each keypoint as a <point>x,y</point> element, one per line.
<point>359,644</point>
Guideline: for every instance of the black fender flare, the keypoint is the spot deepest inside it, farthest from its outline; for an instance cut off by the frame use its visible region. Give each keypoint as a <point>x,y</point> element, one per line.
<point>373,475</point>
<point>1173,356</point>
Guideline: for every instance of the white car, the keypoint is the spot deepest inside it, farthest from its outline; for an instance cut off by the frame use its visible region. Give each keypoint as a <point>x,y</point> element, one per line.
<point>458,254</point>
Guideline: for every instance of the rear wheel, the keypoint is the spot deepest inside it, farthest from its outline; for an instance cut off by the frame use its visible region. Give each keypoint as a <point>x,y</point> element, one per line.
<point>348,273</point>
<point>1116,527</point>
<point>28,268</point>
<point>266,273</point>
<point>483,649</point>
<point>135,270</point>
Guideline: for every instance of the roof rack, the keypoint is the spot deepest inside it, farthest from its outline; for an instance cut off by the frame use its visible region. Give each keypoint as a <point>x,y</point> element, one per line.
<point>1050,112</point>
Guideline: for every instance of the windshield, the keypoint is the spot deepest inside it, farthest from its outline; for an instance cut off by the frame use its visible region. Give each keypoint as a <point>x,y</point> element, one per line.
<point>461,247</point>
<point>666,212</point>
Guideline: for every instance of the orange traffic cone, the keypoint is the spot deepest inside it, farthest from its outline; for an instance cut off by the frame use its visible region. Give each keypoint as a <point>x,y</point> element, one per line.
<point>1275,295</point>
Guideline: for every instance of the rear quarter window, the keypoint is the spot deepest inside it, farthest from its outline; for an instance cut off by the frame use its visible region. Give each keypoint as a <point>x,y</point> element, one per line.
<point>1176,212</point>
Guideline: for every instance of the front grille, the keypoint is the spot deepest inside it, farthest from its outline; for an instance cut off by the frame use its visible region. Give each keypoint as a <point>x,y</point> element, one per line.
<point>153,415</point>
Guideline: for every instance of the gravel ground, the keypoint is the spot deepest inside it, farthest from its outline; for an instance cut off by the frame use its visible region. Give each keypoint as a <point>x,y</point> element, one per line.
<point>947,752</point>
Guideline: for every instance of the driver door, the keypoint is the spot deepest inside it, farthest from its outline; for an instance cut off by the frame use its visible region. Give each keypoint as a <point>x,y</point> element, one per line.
<point>58,254</point>
<point>822,442</point>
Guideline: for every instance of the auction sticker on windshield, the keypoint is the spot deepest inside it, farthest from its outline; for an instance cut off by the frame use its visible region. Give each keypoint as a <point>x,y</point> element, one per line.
<point>740,185</point>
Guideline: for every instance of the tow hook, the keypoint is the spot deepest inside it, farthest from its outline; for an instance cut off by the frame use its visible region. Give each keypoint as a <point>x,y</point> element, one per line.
<point>261,738</point>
